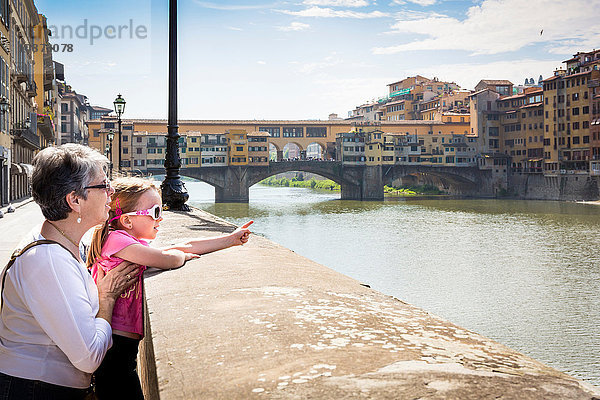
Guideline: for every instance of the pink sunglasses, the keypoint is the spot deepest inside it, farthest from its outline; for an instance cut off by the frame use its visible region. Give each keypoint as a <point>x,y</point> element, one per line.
<point>155,212</point>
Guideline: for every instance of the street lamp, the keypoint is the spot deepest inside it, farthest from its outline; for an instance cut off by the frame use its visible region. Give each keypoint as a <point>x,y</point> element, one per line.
<point>174,193</point>
<point>119,104</point>
<point>4,106</point>
<point>110,136</point>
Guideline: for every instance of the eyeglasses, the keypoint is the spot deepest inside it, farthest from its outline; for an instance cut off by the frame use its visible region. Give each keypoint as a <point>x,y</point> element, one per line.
<point>155,212</point>
<point>105,185</point>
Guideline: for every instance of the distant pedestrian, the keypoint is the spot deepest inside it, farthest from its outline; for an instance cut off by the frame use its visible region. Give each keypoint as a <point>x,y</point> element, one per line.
<point>55,321</point>
<point>135,216</point>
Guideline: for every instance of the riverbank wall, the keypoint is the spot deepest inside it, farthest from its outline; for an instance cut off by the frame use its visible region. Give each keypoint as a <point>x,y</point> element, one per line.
<point>260,321</point>
<point>563,187</point>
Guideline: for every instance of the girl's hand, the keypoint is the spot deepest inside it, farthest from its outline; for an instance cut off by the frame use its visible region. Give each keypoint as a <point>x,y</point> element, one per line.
<point>191,256</point>
<point>241,235</point>
<point>114,282</point>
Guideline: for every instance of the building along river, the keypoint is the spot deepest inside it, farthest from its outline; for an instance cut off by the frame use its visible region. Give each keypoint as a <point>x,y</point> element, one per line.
<point>525,273</point>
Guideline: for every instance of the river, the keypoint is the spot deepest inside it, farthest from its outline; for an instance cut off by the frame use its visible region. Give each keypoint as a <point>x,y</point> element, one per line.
<point>525,273</point>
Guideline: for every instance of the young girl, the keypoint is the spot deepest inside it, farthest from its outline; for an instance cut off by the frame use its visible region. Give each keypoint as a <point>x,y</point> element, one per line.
<point>134,217</point>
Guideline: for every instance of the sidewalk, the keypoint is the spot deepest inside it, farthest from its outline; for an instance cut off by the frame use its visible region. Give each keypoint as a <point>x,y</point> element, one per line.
<point>260,321</point>
<point>14,226</point>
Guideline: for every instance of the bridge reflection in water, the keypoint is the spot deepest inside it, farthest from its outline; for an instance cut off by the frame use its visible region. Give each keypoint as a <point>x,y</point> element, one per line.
<point>358,182</point>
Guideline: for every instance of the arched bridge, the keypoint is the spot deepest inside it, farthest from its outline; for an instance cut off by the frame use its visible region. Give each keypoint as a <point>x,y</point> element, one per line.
<point>358,182</point>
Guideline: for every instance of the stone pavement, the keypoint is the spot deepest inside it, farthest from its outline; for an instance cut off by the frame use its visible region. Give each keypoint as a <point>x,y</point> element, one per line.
<point>260,321</point>
<point>14,226</point>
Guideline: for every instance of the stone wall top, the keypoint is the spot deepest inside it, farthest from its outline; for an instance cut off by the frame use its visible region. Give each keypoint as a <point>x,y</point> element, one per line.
<point>261,321</point>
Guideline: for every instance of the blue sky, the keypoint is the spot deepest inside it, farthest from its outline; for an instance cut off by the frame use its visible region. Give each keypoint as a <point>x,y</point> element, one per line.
<point>305,59</point>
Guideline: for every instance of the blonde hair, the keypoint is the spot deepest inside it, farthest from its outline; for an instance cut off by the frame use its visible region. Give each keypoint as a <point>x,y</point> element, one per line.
<point>128,191</point>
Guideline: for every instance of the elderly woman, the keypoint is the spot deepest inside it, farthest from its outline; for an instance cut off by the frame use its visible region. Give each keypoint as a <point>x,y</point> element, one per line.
<point>55,321</point>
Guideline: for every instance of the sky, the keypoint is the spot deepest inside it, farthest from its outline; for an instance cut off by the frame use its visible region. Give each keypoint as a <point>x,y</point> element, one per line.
<point>305,59</point>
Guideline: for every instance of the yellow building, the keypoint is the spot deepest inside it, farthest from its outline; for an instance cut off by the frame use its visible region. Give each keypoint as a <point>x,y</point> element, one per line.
<point>237,146</point>
<point>567,144</point>
<point>46,97</point>
<point>258,148</point>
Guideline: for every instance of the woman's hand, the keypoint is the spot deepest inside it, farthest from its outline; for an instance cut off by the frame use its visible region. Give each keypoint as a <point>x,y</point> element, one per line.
<point>114,282</point>
<point>241,235</point>
<point>111,284</point>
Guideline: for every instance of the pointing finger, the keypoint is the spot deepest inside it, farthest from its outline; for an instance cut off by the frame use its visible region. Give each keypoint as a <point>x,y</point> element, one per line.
<point>247,224</point>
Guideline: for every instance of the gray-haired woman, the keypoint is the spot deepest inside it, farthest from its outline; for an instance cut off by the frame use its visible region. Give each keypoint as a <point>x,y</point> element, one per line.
<point>55,321</point>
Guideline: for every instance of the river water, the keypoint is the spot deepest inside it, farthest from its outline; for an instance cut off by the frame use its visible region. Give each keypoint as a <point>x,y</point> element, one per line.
<point>525,273</point>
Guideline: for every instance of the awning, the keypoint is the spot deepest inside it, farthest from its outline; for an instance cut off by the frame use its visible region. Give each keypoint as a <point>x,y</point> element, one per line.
<point>27,168</point>
<point>16,168</point>
<point>534,159</point>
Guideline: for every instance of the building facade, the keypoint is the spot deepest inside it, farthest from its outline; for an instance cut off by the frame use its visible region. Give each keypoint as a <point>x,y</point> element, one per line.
<point>22,91</point>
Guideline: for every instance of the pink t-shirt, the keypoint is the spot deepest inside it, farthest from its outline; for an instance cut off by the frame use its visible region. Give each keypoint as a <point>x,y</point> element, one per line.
<point>127,314</point>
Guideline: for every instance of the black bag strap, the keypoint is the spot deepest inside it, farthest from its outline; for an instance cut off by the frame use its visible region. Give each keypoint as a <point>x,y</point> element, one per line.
<point>19,252</point>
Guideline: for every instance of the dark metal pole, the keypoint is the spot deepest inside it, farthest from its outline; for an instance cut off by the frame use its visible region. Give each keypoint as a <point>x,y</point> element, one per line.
<point>111,160</point>
<point>119,143</point>
<point>174,193</point>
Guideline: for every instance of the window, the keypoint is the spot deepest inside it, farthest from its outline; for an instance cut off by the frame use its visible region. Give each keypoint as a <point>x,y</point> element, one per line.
<point>575,139</point>
<point>293,131</point>
<point>273,131</point>
<point>138,139</point>
<point>138,150</point>
<point>125,150</point>
<point>109,125</point>
<point>586,139</point>
<point>316,131</point>
<point>575,96</point>
<point>575,110</point>
<point>96,132</point>
<point>586,110</point>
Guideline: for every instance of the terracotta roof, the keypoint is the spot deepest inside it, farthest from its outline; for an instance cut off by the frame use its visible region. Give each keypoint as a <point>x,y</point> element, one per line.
<point>551,78</point>
<point>259,133</point>
<point>479,91</point>
<point>533,105</point>
<point>496,82</point>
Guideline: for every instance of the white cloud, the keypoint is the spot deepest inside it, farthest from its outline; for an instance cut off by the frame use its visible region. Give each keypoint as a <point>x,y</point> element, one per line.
<point>467,75</point>
<point>497,26</point>
<point>225,7</point>
<point>294,26</point>
<point>234,28</point>
<point>331,13</point>
<point>329,61</point>
<point>262,62</point>
<point>419,2</point>
<point>337,3</point>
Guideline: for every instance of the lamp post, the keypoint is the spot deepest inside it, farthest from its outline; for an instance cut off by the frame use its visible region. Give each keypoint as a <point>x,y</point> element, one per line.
<point>110,136</point>
<point>174,193</point>
<point>119,104</point>
<point>4,106</point>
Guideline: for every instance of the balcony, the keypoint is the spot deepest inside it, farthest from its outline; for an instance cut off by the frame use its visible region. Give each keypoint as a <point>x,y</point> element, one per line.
<point>27,135</point>
<point>31,89</point>
<point>45,126</point>
<point>20,76</point>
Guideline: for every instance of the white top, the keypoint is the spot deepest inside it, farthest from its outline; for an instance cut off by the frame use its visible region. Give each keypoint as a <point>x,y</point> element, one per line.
<point>48,327</point>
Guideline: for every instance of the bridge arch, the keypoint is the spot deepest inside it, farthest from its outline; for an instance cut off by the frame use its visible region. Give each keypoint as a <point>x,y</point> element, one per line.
<point>447,178</point>
<point>315,150</point>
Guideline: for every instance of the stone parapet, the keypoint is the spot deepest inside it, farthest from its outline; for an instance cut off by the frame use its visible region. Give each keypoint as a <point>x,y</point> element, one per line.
<point>261,321</point>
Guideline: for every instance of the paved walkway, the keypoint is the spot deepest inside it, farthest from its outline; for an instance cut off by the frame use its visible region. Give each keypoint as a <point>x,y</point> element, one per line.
<point>14,226</point>
<point>260,321</point>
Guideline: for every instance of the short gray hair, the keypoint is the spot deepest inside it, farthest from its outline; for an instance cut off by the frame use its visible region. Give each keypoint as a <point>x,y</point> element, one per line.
<point>58,171</point>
